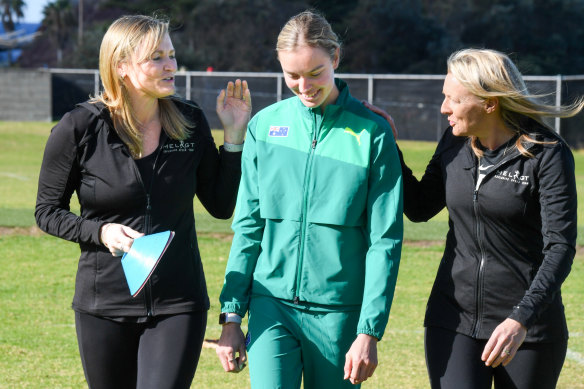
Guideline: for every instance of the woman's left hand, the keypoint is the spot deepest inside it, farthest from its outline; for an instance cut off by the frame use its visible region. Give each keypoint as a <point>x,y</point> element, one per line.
<point>504,343</point>
<point>234,110</point>
<point>361,359</point>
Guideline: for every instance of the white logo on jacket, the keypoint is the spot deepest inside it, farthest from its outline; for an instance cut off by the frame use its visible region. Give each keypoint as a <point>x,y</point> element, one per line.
<point>181,147</point>
<point>513,176</point>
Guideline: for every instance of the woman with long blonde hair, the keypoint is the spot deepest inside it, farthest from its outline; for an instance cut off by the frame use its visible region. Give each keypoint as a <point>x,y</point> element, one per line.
<point>136,155</point>
<point>495,313</point>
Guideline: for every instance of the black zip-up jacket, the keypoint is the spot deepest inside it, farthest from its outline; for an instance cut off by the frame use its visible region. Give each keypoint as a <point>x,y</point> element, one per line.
<point>84,154</point>
<point>510,243</point>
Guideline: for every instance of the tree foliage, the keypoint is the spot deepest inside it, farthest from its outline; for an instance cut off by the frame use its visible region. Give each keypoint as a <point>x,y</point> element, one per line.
<point>9,11</point>
<point>379,36</point>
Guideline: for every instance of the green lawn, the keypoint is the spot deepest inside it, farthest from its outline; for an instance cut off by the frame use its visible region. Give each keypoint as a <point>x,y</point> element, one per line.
<point>38,348</point>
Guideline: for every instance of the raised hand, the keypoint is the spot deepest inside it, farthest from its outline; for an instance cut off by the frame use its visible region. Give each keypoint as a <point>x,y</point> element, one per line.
<point>234,110</point>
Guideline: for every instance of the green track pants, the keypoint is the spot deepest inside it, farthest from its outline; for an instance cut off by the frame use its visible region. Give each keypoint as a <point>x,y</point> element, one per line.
<point>287,340</point>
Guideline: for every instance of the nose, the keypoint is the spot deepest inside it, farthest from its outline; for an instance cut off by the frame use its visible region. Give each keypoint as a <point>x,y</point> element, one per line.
<point>304,84</point>
<point>445,108</point>
<point>170,65</point>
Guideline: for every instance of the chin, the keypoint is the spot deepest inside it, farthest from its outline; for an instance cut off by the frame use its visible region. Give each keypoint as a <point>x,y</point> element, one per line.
<point>457,132</point>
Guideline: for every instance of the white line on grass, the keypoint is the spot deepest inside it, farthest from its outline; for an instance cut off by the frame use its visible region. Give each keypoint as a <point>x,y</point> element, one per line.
<point>575,356</point>
<point>15,176</point>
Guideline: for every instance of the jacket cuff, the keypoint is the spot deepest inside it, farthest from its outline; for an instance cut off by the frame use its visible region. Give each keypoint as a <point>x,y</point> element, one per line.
<point>522,315</point>
<point>90,231</point>
<point>370,332</point>
<point>231,307</point>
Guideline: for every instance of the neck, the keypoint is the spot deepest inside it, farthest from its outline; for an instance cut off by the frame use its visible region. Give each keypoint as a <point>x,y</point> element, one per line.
<point>146,111</point>
<point>497,136</point>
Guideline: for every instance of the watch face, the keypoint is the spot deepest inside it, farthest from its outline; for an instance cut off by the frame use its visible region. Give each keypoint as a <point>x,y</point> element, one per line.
<point>222,318</point>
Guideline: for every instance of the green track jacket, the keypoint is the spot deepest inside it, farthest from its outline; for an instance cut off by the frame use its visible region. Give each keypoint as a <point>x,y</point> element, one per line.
<point>319,211</point>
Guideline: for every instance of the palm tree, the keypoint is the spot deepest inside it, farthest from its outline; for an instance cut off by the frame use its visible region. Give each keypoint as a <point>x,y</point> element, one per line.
<point>58,20</point>
<point>8,9</point>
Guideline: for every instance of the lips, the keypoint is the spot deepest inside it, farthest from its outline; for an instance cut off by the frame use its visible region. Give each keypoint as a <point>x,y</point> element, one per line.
<point>310,96</point>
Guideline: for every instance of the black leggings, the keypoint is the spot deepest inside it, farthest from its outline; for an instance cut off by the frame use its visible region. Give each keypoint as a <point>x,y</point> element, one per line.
<point>162,353</point>
<point>454,361</point>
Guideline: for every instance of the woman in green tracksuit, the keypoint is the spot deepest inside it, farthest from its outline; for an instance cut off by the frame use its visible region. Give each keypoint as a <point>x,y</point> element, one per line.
<point>318,228</point>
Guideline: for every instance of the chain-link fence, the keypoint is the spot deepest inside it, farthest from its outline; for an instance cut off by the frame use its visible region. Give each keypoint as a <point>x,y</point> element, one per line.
<point>413,100</point>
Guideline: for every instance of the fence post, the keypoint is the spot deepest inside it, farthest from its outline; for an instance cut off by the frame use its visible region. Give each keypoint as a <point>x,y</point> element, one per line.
<point>370,89</point>
<point>96,83</point>
<point>188,86</point>
<point>279,87</point>
<point>558,101</point>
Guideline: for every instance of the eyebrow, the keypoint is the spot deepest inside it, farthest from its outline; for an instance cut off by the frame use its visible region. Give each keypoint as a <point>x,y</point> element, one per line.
<point>319,67</point>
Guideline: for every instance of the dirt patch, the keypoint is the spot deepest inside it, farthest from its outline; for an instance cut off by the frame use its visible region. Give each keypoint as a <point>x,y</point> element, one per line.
<point>210,343</point>
<point>423,243</point>
<point>29,231</point>
<point>222,236</point>
<point>228,237</point>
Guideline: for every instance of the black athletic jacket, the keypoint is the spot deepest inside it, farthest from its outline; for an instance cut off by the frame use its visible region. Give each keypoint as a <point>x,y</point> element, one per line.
<point>85,155</point>
<point>510,244</point>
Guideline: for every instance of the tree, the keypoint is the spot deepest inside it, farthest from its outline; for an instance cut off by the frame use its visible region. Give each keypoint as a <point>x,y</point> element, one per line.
<point>392,36</point>
<point>9,9</point>
<point>58,20</point>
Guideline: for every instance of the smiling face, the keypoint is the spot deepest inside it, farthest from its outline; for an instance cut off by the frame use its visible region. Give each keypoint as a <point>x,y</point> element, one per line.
<point>152,78</point>
<point>310,73</point>
<point>467,114</point>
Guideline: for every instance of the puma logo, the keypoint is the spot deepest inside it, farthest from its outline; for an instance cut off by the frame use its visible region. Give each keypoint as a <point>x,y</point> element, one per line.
<point>351,132</point>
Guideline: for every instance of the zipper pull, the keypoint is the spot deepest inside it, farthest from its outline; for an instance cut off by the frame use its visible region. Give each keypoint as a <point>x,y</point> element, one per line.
<point>296,300</point>
<point>148,206</point>
<point>475,195</point>
<point>314,143</point>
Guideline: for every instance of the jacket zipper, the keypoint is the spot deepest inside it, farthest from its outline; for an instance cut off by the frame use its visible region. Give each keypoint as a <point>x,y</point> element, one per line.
<point>480,270</point>
<point>476,327</point>
<point>148,226</point>
<point>304,224</point>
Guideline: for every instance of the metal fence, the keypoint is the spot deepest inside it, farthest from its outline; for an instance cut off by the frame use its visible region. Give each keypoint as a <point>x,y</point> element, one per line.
<point>413,100</point>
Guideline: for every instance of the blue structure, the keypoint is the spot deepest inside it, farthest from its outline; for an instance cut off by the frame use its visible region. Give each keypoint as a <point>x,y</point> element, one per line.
<point>11,43</point>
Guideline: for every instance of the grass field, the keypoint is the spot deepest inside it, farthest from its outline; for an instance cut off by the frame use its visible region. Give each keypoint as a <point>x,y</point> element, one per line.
<point>38,347</point>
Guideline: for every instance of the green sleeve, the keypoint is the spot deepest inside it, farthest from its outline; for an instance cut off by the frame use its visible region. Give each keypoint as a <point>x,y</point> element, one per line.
<point>385,231</point>
<point>248,228</point>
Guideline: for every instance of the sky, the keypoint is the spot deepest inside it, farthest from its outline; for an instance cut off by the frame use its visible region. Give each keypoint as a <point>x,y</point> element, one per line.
<point>33,13</point>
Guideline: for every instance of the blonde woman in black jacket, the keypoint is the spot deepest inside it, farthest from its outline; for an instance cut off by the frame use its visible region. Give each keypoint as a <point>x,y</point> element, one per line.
<point>136,156</point>
<point>495,313</point>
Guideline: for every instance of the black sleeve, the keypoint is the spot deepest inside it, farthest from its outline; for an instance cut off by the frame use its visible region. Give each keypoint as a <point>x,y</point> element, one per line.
<point>425,198</point>
<point>59,177</point>
<point>218,175</point>
<point>558,201</point>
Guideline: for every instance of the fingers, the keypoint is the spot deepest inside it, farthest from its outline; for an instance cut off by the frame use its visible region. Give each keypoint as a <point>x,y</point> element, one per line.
<point>504,343</point>
<point>230,344</point>
<point>357,372</point>
<point>246,94</point>
<point>220,100</point>
<point>237,91</point>
<point>118,238</point>
<point>361,359</point>
<point>242,353</point>
<point>501,355</point>
<point>348,367</point>
<point>383,114</point>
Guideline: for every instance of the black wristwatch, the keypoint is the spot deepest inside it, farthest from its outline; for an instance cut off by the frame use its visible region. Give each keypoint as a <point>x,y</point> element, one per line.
<point>228,317</point>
